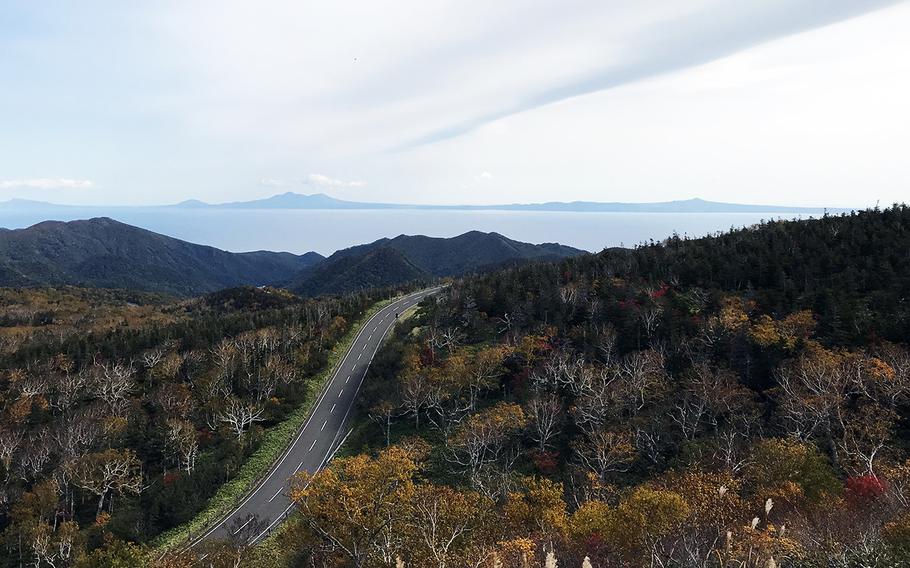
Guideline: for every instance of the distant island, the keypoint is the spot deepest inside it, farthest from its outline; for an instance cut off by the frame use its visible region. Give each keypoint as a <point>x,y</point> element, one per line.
<point>291,200</point>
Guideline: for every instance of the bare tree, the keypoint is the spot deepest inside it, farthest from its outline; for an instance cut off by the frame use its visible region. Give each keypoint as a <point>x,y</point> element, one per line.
<point>152,357</point>
<point>113,383</point>
<point>605,452</point>
<point>76,433</point>
<point>240,415</point>
<point>483,439</point>
<point>182,443</point>
<point>105,472</point>
<point>69,388</point>
<point>10,440</point>
<point>35,456</point>
<point>451,338</point>
<point>382,414</point>
<point>415,394</point>
<point>545,413</point>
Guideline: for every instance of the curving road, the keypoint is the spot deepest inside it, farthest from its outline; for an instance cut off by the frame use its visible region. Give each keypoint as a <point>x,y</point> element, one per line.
<point>323,431</point>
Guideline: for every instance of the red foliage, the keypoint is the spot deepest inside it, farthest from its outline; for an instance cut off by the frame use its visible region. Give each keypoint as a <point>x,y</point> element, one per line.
<point>518,381</point>
<point>865,488</point>
<point>427,356</point>
<point>597,550</point>
<point>170,477</point>
<point>664,288</point>
<point>546,462</point>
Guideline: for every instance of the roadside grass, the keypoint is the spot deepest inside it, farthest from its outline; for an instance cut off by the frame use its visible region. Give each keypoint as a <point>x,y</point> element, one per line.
<point>274,442</point>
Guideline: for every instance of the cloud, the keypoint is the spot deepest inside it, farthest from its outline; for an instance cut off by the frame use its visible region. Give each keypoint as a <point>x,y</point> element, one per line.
<point>683,41</point>
<point>485,175</point>
<point>46,183</point>
<point>326,181</point>
<point>272,182</point>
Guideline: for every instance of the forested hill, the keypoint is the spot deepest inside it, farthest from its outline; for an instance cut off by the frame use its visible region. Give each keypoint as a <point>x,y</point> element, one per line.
<point>108,254</point>
<point>736,400</point>
<point>105,253</point>
<point>852,270</point>
<point>413,257</point>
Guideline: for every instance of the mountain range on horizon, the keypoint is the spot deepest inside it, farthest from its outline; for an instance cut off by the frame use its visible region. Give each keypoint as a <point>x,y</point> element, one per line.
<point>317,201</point>
<point>105,253</point>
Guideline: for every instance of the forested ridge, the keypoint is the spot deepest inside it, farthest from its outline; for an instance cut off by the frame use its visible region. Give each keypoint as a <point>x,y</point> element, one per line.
<point>736,400</point>
<point>121,414</point>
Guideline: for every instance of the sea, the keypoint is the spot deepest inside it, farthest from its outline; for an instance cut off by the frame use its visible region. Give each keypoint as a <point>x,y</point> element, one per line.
<point>325,231</point>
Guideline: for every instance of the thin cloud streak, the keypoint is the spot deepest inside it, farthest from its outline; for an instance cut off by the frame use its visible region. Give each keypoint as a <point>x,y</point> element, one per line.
<point>690,42</point>
<point>326,181</point>
<point>46,183</point>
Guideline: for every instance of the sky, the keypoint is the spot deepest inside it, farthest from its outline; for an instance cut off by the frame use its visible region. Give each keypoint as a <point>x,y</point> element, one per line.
<point>791,102</point>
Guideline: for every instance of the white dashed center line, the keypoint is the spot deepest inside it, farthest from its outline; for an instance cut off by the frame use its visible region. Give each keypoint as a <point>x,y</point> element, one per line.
<point>273,497</point>
<point>323,426</point>
<point>339,393</point>
<point>311,446</point>
<point>333,409</point>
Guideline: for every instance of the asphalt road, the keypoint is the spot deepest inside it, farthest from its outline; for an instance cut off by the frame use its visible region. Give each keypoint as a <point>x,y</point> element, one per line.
<point>322,433</point>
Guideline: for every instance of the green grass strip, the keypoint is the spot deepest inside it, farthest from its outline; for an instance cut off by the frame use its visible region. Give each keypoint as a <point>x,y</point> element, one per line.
<point>274,443</point>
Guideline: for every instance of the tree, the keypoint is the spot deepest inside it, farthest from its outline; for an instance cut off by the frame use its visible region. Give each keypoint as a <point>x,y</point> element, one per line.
<point>653,518</point>
<point>537,511</point>
<point>113,383</point>
<point>101,473</point>
<point>780,461</point>
<point>484,367</point>
<point>382,414</point>
<point>235,550</point>
<point>356,502</point>
<point>240,415</point>
<point>10,439</point>
<point>116,553</point>
<point>182,443</point>
<point>545,414</point>
<point>444,525</point>
<point>483,439</point>
<point>606,452</point>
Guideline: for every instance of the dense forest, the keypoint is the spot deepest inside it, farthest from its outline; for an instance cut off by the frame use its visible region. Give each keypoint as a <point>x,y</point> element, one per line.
<point>736,400</point>
<point>122,413</point>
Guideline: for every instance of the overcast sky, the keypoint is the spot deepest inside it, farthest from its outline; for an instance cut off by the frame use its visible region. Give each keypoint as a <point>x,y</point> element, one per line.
<point>800,102</point>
